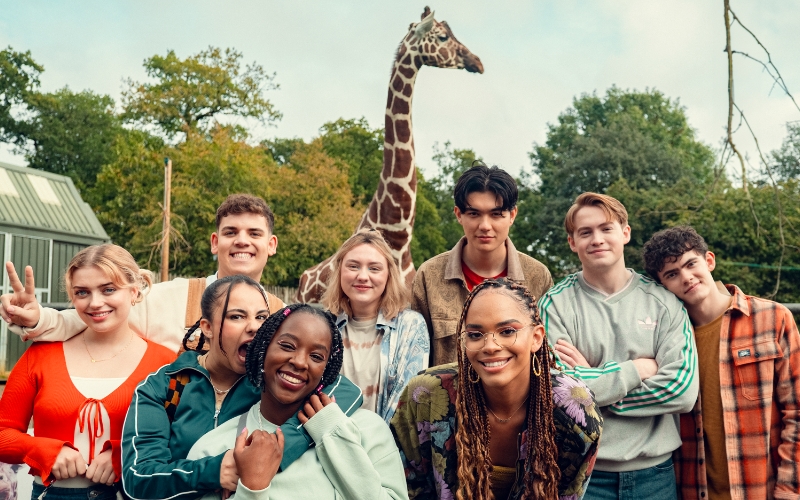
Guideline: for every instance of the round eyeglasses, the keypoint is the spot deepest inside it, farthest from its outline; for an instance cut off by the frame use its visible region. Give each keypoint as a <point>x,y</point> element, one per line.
<point>505,336</point>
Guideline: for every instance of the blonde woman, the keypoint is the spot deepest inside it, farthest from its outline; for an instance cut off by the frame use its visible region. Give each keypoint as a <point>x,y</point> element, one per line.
<point>78,391</point>
<point>385,344</point>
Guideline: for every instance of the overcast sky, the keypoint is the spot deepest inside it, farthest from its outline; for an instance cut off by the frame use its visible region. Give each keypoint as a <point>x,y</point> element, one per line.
<point>332,60</point>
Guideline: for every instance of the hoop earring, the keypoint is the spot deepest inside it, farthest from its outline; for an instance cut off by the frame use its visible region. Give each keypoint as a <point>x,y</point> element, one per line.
<point>534,362</point>
<point>471,370</point>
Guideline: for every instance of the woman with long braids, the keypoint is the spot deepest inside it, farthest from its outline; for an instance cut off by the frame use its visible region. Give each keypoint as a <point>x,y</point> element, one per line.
<point>296,352</point>
<point>502,422</point>
<point>174,407</point>
<point>78,391</point>
<point>385,343</point>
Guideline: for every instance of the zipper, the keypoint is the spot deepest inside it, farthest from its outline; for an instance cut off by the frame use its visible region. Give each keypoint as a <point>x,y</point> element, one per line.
<point>216,410</point>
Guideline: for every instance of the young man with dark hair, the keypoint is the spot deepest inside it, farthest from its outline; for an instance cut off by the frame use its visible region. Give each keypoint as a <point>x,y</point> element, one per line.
<point>742,441</point>
<point>243,242</point>
<point>486,205</point>
<point>631,342</point>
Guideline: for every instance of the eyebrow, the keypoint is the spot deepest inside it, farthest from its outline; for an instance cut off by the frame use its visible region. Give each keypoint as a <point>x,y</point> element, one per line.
<point>498,208</point>
<point>297,339</point>
<point>104,284</point>
<point>236,228</point>
<point>354,261</point>
<point>502,323</point>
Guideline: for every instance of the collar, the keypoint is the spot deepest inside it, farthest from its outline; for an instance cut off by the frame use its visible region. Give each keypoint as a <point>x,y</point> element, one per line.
<point>211,279</point>
<point>186,360</point>
<point>452,270</point>
<point>740,302</point>
<point>342,319</point>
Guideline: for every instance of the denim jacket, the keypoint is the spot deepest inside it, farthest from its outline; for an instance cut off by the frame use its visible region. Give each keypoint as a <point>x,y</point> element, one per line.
<point>405,350</point>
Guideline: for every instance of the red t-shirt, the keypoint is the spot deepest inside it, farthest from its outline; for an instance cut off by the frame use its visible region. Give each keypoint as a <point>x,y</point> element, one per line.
<point>473,278</point>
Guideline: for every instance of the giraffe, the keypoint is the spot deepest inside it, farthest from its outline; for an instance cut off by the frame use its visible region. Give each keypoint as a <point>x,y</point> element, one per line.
<point>392,209</point>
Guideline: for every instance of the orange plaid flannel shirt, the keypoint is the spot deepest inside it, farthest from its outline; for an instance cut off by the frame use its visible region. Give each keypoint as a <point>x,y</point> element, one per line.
<point>759,373</point>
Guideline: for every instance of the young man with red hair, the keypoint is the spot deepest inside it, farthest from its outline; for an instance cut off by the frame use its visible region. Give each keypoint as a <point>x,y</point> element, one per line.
<point>631,342</point>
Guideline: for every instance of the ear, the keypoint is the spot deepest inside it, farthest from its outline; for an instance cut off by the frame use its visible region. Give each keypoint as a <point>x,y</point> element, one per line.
<point>626,234</point>
<point>424,26</point>
<point>272,245</point>
<point>538,335</point>
<point>458,214</point>
<point>205,327</point>
<point>214,243</point>
<point>711,261</point>
<point>572,243</point>
<point>513,214</point>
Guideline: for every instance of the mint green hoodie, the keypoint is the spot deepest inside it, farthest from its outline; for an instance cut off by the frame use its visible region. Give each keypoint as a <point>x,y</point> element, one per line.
<point>643,320</point>
<point>354,458</point>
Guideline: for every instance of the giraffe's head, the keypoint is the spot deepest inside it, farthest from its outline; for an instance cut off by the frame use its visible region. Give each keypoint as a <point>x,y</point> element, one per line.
<point>432,43</point>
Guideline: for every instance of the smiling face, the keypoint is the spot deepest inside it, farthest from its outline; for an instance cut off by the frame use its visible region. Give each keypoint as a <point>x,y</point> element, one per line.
<point>242,244</point>
<point>294,363</point>
<point>598,241</point>
<point>246,310</point>
<point>689,277</point>
<point>485,223</point>
<point>498,366</point>
<point>101,304</point>
<point>364,272</point>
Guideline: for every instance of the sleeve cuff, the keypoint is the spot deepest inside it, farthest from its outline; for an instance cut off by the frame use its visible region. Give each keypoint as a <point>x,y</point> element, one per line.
<point>324,422</point>
<point>630,376</point>
<point>245,493</point>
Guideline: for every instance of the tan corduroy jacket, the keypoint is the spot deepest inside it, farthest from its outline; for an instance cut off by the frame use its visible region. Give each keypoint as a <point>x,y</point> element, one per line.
<point>439,292</point>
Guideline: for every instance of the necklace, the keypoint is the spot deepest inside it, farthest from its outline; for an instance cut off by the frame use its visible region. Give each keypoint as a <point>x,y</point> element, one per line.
<point>202,361</point>
<point>504,420</point>
<point>106,359</point>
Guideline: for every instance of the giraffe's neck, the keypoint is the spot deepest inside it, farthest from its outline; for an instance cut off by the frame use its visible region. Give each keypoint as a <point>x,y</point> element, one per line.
<point>392,208</point>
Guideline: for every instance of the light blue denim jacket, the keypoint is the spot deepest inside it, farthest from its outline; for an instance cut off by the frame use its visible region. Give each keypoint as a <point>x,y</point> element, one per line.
<point>405,350</point>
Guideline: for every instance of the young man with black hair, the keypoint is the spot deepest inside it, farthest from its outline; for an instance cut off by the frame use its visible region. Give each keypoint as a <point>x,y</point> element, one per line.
<point>486,205</point>
<point>742,441</point>
<point>631,342</point>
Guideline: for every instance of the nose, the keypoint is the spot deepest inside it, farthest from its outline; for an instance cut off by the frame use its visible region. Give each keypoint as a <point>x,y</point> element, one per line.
<point>299,361</point>
<point>97,300</point>
<point>485,223</point>
<point>489,344</point>
<point>252,326</point>
<point>241,238</point>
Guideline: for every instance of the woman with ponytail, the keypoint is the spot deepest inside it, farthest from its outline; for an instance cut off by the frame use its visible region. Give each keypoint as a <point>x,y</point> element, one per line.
<point>295,353</point>
<point>502,422</point>
<point>205,387</point>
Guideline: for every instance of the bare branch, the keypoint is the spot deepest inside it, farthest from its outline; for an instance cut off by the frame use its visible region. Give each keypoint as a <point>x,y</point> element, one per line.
<point>777,77</point>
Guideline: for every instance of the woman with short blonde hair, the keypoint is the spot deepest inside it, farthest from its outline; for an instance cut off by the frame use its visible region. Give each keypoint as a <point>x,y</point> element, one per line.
<point>385,343</point>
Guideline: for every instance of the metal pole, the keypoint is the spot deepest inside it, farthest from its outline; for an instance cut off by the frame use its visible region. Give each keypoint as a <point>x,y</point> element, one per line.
<point>166,228</point>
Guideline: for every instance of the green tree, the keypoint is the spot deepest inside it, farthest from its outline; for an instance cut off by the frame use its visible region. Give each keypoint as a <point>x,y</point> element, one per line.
<point>361,148</point>
<point>19,78</point>
<point>191,94</point>
<point>70,133</point>
<point>787,158</point>
<point>640,139</point>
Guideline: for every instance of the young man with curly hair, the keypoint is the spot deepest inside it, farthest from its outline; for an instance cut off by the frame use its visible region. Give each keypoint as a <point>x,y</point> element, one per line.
<point>741,439</point>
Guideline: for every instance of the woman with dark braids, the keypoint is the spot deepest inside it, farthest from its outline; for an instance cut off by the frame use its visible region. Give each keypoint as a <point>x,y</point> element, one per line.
<point>174,407</point>
<point>296,352</point>
<point>502,422</point>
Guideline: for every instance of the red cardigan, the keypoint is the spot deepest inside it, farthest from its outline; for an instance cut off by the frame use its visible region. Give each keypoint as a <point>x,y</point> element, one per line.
<point>40,385</point>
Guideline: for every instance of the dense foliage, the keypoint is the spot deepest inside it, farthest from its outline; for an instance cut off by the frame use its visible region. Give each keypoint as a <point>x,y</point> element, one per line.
<point>636,146</point>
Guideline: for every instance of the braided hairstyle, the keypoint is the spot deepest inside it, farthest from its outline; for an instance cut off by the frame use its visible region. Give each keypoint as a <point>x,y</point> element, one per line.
<point>473,429</point>
<point>208,303</point>
<point>257,350</point>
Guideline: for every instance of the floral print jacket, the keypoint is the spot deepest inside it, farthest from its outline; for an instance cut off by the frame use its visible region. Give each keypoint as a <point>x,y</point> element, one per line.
<point>424,429</point>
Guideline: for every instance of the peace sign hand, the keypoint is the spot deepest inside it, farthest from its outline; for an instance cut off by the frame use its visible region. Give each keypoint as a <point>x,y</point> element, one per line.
<point>20,307</point>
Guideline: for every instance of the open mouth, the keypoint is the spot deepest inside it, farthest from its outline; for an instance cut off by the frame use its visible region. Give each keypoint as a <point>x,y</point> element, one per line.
<point>98,315</point>
<point>242,351</point>
<point>242,256</point>
<point>495,365</point>
<point>291,381</point>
